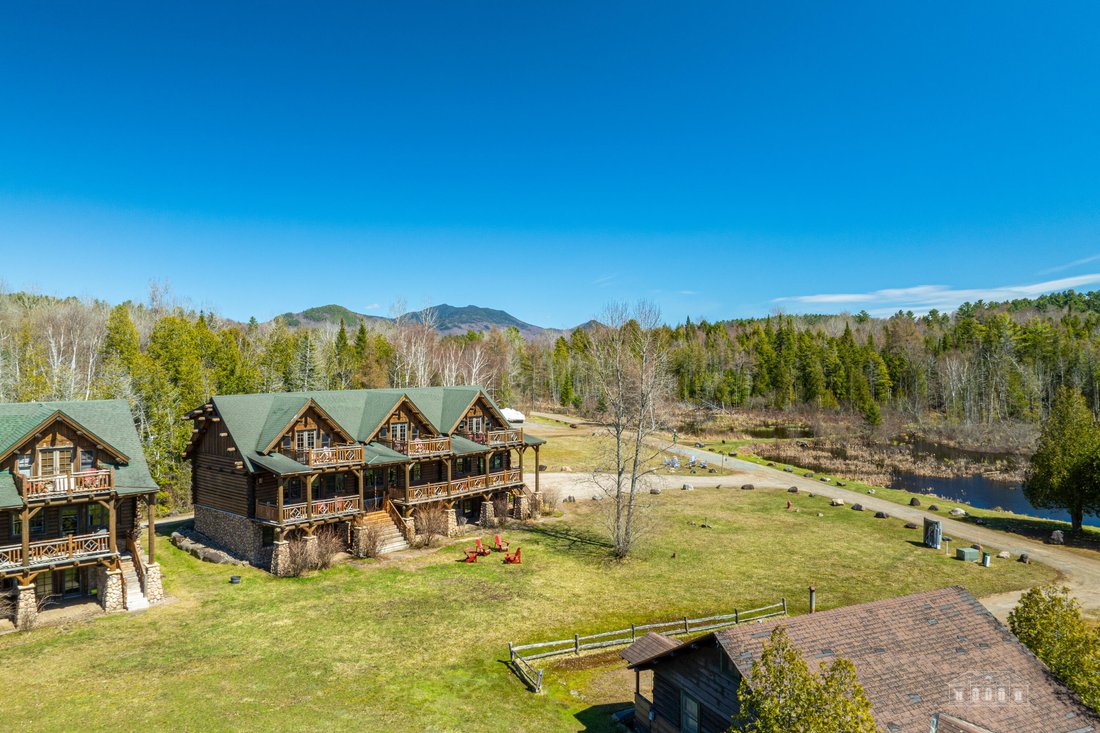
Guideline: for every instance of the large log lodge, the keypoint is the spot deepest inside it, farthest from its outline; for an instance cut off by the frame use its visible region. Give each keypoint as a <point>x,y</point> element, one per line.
<point>271,468</point>
<point>71,474</point>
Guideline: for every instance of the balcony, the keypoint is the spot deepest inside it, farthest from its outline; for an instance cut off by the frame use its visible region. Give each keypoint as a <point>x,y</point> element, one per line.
<point>463,486</point>
<point>505,438</point>
<point>300,512</point>
<point>50,552</point>
<point>66,485</point>
<point>334,455</point>
<point>420,447</point>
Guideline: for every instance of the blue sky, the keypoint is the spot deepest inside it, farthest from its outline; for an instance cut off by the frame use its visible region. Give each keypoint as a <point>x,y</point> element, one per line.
<point>722,159</point>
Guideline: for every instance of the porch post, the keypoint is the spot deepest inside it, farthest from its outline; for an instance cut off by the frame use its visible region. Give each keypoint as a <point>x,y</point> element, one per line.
<point>521,451</point>
<point>537,469</point>
<point>359,476</point>
<point>309,495</point>
<point>488,455</point>
<point>279,502</point>
<point>26,535</point>
<point>112,524</point>
<point>448,460</point>
<point>152,527</point>
<point>408,480</point>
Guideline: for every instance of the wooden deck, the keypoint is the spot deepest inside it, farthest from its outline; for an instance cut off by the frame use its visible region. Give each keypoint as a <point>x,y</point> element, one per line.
<point>48,552</point>
<point>302,512</point>
<point>65,485</point>
<point>462,486</point>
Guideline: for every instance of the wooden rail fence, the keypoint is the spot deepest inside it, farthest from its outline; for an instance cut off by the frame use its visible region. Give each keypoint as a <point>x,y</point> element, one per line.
<point>532,677</point>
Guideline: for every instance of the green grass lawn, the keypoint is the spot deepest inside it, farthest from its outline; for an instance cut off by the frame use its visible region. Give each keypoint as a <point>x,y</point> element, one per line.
<point>1087,542</point>
<point>584,452</point>
<point>420,644</point>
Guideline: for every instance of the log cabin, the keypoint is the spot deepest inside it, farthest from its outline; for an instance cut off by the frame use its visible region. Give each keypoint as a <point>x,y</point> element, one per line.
<point>71,477</point>
<point>934,661</point>
<point>268,469</point>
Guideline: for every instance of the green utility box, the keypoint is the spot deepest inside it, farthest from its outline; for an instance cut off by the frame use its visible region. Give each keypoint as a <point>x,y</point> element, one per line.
<point>969,554</point>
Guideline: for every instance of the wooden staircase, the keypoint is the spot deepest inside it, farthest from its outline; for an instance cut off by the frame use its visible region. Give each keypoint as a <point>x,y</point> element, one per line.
<point>392,537</point>
<point>135,599</point>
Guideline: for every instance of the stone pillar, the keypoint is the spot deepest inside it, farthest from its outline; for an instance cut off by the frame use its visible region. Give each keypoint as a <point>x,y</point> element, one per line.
<point>309,547</point>
<point>536,505</point>
<point>154,589</point>
<point>280,558</point>
<point>487,514</point>
<point>26,607</point>
<point>521,509</point>
<point>109,584</point>
<point>358,544</point>
<point>452,522</point>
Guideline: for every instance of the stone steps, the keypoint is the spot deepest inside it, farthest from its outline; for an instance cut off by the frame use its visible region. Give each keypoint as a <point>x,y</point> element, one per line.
<point>135,599</point>
<point>392,538</point>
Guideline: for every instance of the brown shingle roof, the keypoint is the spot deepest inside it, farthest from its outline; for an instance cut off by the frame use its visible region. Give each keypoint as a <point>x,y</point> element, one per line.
<point>648,646</point>
<point>910,651</point>
<point>951,724</point>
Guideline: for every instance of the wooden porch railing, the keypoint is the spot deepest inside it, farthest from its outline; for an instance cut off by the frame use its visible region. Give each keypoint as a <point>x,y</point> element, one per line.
<point>43,552</point>
<point>297,512</point>
<point>428,447</point>
<point>459,487</point>
<point>406,531</point>
<point>333,455</point>
<point>66,484</point>
<point>502,438</point>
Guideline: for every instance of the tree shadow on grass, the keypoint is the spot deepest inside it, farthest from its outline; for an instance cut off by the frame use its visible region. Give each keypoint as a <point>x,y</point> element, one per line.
<point>571,539</point>
<point>597,718</point>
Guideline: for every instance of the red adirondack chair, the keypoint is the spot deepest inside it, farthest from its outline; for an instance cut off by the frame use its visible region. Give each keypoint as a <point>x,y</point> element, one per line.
<point>480,548</point>
<point>471,556</point>
<point>500,546</point>
<point>512,558</point>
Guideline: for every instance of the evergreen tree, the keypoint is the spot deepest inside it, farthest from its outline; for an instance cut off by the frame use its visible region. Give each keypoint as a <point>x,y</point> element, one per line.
<point>1063,471</point>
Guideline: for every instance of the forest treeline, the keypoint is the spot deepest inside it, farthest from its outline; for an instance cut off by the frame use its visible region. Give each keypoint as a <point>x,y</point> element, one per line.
<point>983,364</point>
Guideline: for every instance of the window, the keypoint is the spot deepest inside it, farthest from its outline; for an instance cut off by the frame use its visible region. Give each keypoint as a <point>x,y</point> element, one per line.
<point>326,440</point>
<point>70,520</point>
<point>416,472</point>
<point>288,442</point>
<point>462,426</point>
<point>400,432</point>
<point>70,582</point>
<point>87,460</point>
<point>54,461</point>
<point>460,465</point>
<point>384,433</point>
<point>393,475</point>
<point>43,585</point>
<point>475,425</point>
<point>689,714</point>
<point>38,524</point>
<point>24,463</point>
<point>725,665</point>
<point>99,518</point>
<point>306,440</point>
<point>481,464</point>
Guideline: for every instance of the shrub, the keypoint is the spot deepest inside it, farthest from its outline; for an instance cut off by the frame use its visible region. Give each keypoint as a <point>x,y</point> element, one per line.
<point>329,543</point>
<point>502,507</point>
<point>431,523</point>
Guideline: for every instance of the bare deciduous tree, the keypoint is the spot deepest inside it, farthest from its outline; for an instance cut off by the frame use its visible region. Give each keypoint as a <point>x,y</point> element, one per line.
<point>630,369</point>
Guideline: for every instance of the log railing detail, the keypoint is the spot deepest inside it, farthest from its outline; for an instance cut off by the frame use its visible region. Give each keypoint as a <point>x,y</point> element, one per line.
<point>322,509</point>
<point>422,447</point>
<point>461,486</point>
<point>502,438</point>
<point>333,455</point>
<point>65,548</point>
<point>66,484</point>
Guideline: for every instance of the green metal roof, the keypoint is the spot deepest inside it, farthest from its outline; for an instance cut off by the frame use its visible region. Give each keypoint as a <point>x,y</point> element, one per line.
<point>255,420</point>
<point>532,440</point>
<point>110,420</point>
<point>277,463</point>
<point>463,446</point>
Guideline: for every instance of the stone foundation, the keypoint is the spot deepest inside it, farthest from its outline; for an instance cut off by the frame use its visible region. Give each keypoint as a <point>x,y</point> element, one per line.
<point>109,585</point>
<point>358,544</point>
<point>452,522</point>
<point>26,607</point>
<point>521,508</point>
<point>153,588</point>
<point>488,516</point>
<point>280,558</point>
<point>239,535</point>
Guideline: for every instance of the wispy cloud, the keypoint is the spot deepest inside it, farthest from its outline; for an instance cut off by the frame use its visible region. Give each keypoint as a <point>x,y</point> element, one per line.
<point>1070,265</point>
<point>604,280</point>
<point>373,307</point>
<point>922,298</point>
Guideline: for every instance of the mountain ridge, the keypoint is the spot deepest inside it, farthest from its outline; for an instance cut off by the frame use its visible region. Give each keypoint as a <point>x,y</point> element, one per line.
<point>449,319</point>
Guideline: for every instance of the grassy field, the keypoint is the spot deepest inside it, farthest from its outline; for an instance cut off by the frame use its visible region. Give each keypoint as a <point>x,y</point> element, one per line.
<point>582,451</point>
<point>420,643</point>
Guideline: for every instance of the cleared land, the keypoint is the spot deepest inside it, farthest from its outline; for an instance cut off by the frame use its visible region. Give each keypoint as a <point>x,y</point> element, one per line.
<point>419,643</point>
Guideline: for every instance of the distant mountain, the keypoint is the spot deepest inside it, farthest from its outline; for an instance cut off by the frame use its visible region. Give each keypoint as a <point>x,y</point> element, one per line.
<point>449,319</point>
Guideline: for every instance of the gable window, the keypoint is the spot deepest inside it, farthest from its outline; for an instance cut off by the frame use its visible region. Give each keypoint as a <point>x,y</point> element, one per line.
<point>306,440</point>
<point>326,440</point>
<point>399,432</point>
<point>288,442</point>
<point>475,425</point>
<point>87,460</point>
<point>689,714</point>
<point>462,426</point>
<point>24,463</point>
<point>725,665</point>
<point>415,432</point>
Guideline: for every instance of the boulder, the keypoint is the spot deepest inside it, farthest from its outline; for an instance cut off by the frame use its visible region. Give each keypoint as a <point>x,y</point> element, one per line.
<point>824,479</point>
<point>914,501</point>
<point>881,515</point>
<point>712,470</point>
<point>1024,558</point>
<point>655,490</point>
<point>788,469</point>
<point>698,444</point>
<point>836,502</point>
<point>871,492</point>
<point>747,487</point>
<point>857,507</point>
<point>733,454</point>
<point>566,469</point>
<point>979,520</point>
<point>1057,538</point>
<point>933,508</point>
<point>543,467</point>
<point>910,525</point>
<point>809,474</point>
<point>771,464</point>
<point>956,512</point>
<point>792,490</point>
<point>840,483</point>
<point>820,514</point>
<point>811,494</point>
<point>1004,555</point>
<point>687,487</point>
